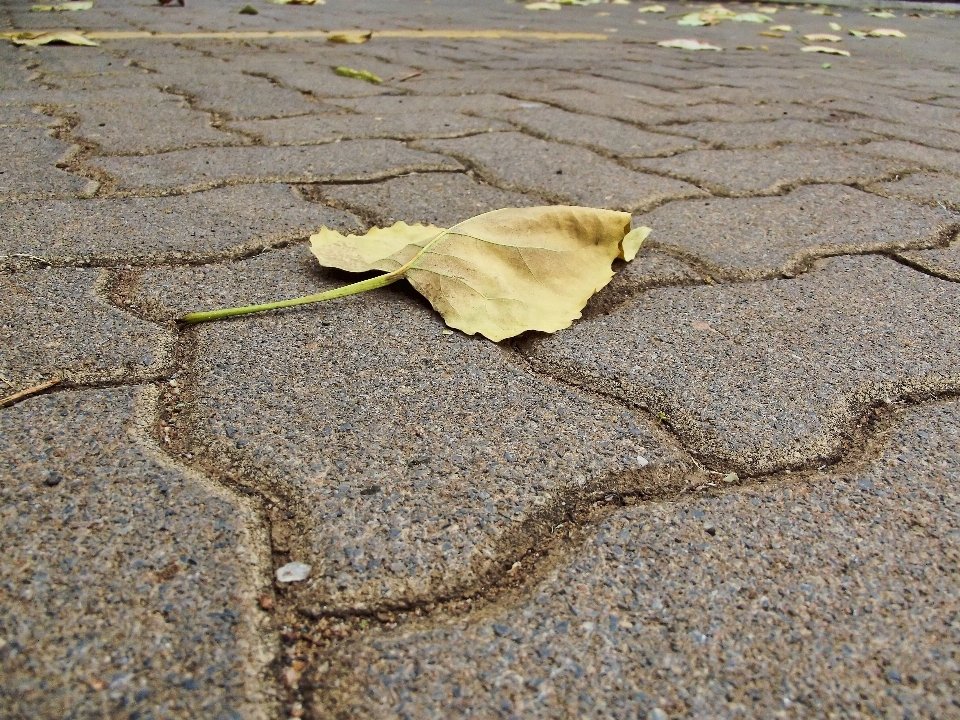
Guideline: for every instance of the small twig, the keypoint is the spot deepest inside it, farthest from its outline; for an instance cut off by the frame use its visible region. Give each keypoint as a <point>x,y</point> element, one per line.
<point>10,399</point>
<point>411,75</point>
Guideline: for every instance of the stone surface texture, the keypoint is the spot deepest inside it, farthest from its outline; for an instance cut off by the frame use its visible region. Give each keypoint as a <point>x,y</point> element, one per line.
<point>727,490</point>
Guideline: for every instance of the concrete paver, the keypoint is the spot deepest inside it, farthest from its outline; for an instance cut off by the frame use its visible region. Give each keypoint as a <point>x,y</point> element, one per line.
<point>919,155</point>
<point>30,170</point>
<point>926,188</point>
<point>128,585</point>
<point>944,262</point>
<point>769,133</point>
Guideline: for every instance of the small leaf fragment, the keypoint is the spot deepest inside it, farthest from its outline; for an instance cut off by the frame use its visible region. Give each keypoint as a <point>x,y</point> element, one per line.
<point>767,33</point>
<point>364,75</point>
<point>824,11</point>
<point>350,37</point>
<point>824,49</point>
<point>71,6</point>
<point>836,27</point>
<point>859,33</point>
<point>885,14</point>
<point>687,44</point>
<point>822,37</point>
<point>781,28</point>
<point>67,37</point>
<point>542,6</point>
<point>653,9</point>
<point>886,32</point>
<point>248,10</point>
<point>751,17</point>
<point>630,245</point>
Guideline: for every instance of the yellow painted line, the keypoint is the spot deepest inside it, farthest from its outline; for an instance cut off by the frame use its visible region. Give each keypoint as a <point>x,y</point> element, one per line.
<point>295,34</point>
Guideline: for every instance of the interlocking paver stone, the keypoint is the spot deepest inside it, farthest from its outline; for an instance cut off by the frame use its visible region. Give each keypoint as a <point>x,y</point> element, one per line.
<point>419,458</point>
<point>703,608</point>
<point>750,238</point>
<point>201,168</point>
<point>393,104</point>
<point>944,262</point>
<point>30,156</point>
<point>53,324</point>
<point>169,229</point>
<point>568,174</point>
<point>127,585</point>
<point>597,133</point>
<point>928,188</point>
<point>313,129</point>
<point>749,112</point>
<point>918,155</point>
<point>618,108</point>
<point>441,199</point>
<point>775,132</point>
<point>772,374</point>
<point>943,139</point>
<point>750,172</point>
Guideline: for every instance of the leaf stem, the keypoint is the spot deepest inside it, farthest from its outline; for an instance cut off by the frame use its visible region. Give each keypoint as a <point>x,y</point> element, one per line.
<point>358,287</point>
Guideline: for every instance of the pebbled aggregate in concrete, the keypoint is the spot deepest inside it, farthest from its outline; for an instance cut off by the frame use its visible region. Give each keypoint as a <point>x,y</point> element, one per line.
<point>748,172</point>
<point>566,174</point>
<point>441,199</point>
<point>30,156</point>
<point>127,585</point>
<point>769,133</point>
<point>776,374</point>
<point>182,228</point>
<point>200,168</point>
<point>919,155</point>
<point>315,129</point>
<point>618,108</point>
<point>53,323</point>
<point>831,595</point>
<point>930,137</point>
<point>480,104</point>
<point>928,188</point>
<point>752,238</point>
<point>423,461</point>
<point>943,262</point>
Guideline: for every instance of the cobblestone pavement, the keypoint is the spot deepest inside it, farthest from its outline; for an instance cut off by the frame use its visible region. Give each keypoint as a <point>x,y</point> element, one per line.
<point>731,490</point>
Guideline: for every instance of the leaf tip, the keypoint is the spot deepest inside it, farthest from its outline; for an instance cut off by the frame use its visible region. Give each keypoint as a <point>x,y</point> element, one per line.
<point>630,245</point>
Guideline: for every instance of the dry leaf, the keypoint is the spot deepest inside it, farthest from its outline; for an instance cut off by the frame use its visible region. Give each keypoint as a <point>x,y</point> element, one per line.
<point>621,2</point>
<point>886,32</point>
<point>67,37</point>
<point>350,37</point>
<point>836,27</point>
<point>64,6</point>
<point>364,75</point>
<point>653,8</point>
<point>767,33</point>
<point>824,11</point>
<point>823,49</point>
<point>822,37</point>
<point>882,14</point>
<point>542,6</point>
<point>498,274</point>
<point>683,44</point>
<point>751,17</point>
<point>781,28</point>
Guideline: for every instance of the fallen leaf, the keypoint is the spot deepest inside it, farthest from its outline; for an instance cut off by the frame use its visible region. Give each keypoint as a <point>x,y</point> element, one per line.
<point>836,27</point>
<point>751,17</point>
<point>248,10</point>
<point>682,44</point>
<point>746,47</point>
<point>826,66</point>
<point>167,2</point>
<point>653,8</point>
<point>824,11</point>
<point>64,6</point>
<point>696,20</point>
<point>886,32</point>
<point>823,49</point>
<point>859,33</point>
<point>542,6</point>
<point>781,28</point>
<point>885,14</point>
<point>767,33</point>
<point>621,2</point>
<point>358,75</point>
<point>67,37</point>
<point>498,274</point>
<point>350,37</point>
<point>822,37</point>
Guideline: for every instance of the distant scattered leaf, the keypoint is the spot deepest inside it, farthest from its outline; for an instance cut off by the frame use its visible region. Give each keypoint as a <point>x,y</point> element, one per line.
<point>886,32</point>
<point>767,33</point>
<point>498,274</point>
<point>64,6</point>
<point>542,6</point>
<point>826,66</point>
<point>358,75</point>
<point>248,10</point>
<point>746,47</point>
<point>885,14</point>
<point>67,37</point>
<point>350,37</point>
<point>751,17</point>
<point>621,2</point>
<point>858,33</point>
<point>781,28</point>
<point>824,11</point>
<point>683,44</point>
<point>653,8</point>
<point>696,20</point>
<point>822,37</point>
<point>823,49</point>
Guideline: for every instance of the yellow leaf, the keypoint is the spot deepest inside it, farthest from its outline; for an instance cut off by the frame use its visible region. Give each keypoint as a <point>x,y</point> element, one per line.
<point>781,28</point>
<point>767,33</point>
<point>498,274</point>
<point>64,6</point>
<point>825,50</point>
<point>364,75</point>
<point>687,44</point>
<point>621,2</point>
<point>824,11</point>
<point>822,37</point>
<point>542,6</point>
<point>885,32</point>
<point>67,37</point>
<point>882,14</point>
<point>751,17</point>
<point>653,8</point>
<point>350,37</point>
<point>836,27</point>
